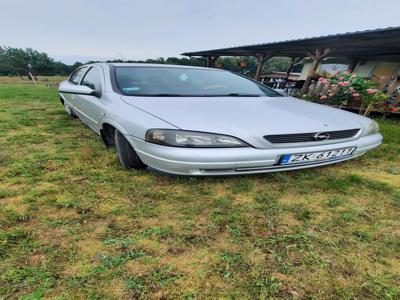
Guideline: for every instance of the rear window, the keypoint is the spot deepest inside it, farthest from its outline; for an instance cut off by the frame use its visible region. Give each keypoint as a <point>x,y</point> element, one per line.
<point>175,81</point>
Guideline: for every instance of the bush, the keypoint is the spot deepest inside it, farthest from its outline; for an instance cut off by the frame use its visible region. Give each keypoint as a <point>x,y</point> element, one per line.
<point>348,89</point>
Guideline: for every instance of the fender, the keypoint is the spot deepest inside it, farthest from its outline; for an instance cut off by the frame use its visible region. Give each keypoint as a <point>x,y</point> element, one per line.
<point>62,98</point>
<point>114,124</point>
<point>105,138</point>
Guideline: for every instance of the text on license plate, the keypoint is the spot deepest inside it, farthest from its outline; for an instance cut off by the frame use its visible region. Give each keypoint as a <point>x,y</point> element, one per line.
<point>315,156</point>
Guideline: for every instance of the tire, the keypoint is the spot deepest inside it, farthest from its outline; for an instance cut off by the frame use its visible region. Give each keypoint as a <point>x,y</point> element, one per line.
<point>69,110</point>
<point>126,154</point>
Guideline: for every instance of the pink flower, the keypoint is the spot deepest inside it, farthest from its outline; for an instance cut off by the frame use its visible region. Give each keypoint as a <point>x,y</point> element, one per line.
<point>344,83</point>
<point>323,80</point>
<point>323,97</point>
<point>371,91</point>
<point>341,78</point>
<point>356,95</point>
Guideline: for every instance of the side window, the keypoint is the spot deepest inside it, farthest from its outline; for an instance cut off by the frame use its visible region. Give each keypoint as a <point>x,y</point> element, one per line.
<point>77,75</point>
<point>92,79</point>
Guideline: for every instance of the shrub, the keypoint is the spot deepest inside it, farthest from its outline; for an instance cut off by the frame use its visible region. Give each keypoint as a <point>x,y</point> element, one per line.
<point>345,89</point>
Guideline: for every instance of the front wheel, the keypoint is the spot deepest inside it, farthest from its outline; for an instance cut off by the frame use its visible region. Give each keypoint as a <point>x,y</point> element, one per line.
<point>126,154</point>
<point>69,110</point>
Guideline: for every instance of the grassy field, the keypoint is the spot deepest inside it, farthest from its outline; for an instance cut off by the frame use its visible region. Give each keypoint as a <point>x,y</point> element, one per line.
<point>74,224</point>
<point>41,80</point>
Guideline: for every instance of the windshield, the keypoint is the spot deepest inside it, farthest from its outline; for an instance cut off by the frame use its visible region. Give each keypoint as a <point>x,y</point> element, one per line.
<point>176,82</point>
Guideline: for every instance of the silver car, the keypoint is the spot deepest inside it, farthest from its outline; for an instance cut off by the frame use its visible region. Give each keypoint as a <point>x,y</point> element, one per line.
<point>200,121</point>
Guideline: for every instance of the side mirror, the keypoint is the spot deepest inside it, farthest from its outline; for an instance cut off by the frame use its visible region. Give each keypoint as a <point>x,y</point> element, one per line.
<point>78,89</point>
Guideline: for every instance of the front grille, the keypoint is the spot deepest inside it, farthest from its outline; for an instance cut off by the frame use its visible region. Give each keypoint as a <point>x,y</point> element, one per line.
<point>309,137</point>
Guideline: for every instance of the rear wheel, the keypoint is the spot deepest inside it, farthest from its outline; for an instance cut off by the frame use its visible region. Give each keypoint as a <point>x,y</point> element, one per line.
<point>126,154</point>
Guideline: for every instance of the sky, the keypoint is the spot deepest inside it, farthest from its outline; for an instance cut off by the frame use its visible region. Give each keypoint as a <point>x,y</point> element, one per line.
<point>82,30</point>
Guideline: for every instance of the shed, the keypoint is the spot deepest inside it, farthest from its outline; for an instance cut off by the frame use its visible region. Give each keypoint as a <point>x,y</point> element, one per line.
<point>378,49</point>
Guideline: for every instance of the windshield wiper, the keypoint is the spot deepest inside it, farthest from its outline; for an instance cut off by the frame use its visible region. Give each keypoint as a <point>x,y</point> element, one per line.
<point>238,95</point>
<point>161,95</point>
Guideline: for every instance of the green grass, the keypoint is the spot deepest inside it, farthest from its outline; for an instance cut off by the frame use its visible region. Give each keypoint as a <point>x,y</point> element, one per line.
<point>75,224</point>
<point>41,80</point>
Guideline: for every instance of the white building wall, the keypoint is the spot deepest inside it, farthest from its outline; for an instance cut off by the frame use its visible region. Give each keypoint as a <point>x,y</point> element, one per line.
<point>366,68</point>
<point>324,66</point>
<point>305,70</point>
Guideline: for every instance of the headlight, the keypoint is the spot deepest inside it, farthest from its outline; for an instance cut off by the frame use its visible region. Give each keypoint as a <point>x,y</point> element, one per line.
<point>373,128</point>
<point>193,139</point>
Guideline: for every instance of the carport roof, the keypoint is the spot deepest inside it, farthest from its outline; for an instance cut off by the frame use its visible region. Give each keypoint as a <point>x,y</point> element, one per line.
<point>368,43</point>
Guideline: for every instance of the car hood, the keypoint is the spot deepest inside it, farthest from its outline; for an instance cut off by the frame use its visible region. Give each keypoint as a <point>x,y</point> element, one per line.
<point>248,118</point>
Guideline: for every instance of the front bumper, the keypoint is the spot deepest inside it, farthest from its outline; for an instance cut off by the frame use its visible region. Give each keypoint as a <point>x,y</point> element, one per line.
<point>234,161</point>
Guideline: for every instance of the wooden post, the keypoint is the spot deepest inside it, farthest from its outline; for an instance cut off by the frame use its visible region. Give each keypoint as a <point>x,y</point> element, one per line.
<point>260,64</point>
<point>393,86</point>
<point>261,59</point>
<point>208,62</point>
<point>20,76</point>
<point>32,77</point>
<point>293,62</point>
<point>316,56</point>
<point>385,81</point>
<point>352,65</point>
<point>314,67</point>
<point>211,61</point>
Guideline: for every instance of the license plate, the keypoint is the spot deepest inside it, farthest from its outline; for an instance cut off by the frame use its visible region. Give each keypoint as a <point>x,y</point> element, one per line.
<point>315,156</point>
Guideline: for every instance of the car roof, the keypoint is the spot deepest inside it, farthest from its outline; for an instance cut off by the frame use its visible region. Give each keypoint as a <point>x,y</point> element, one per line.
<point>157,65</point>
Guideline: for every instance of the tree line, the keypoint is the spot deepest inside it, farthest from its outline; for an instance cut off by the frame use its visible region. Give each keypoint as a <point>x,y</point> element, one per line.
<point>21,62</point>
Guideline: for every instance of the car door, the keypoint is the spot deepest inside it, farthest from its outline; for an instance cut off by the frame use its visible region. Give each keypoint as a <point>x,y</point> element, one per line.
<point>74,79</point>
<point>91,106</point>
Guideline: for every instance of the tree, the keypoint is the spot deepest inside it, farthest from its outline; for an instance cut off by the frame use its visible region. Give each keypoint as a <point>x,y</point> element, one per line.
<point>277,64</point>
<point>17,61</point>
